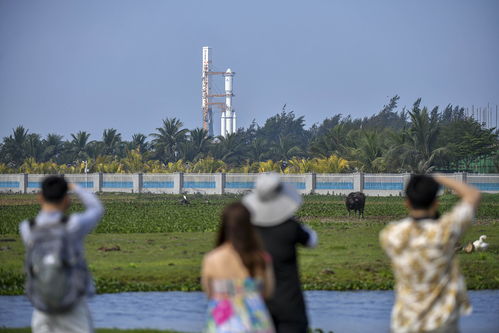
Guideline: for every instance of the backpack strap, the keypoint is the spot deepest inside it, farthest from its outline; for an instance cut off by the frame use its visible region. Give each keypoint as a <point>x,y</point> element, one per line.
<point>32,221</point>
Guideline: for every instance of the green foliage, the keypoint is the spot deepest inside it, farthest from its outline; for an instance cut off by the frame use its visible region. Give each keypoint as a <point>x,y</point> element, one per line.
<point>153,213</point>
<point>416,140</point>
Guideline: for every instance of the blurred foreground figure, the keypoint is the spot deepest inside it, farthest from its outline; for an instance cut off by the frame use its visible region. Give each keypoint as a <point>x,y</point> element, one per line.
<point>236,276</point>
<point>58,280</point>
<point>430,290</point>
<point>272,205</point>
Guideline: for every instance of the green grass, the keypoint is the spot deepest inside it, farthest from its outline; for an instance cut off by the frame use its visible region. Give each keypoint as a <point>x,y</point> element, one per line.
<point>160,258</point>
<point>150,213</point>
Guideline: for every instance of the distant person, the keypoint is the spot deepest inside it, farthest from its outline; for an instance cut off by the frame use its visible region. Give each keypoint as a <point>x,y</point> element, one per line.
<point>237,276</point>
<point>430,290</point>
<point>272,205</point>
<point>58,281</point>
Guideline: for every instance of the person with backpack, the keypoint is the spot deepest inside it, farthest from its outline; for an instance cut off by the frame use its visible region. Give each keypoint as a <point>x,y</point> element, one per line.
<point>273,204</point>
<point>58,280</point>
<point>430,290</point>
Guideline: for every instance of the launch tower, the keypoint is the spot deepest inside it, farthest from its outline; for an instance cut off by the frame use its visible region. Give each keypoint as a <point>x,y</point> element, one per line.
<point>228,115</point>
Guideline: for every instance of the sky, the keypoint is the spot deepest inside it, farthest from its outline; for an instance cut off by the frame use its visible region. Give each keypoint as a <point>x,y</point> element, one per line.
<point>89,65</point>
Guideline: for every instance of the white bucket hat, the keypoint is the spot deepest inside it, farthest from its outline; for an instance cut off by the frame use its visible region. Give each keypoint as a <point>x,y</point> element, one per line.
<point>272,201</point>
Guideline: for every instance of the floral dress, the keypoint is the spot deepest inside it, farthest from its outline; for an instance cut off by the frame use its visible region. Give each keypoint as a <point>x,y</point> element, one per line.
<point>237,306</point>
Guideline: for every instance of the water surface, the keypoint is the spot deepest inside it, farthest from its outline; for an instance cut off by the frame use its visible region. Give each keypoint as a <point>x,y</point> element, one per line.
<point>343,311</point>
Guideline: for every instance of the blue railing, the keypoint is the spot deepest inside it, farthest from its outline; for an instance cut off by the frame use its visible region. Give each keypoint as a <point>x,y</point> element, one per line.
<point>87,184</point>
<point>158,184</point>
<point>117,184</point>
<point>297,185</point>
<point>486,186</point>
<point>383,186</point>
<point>199,185</point>
<point>8,184</point>
<point>240,185</point>
<point>334,186</point>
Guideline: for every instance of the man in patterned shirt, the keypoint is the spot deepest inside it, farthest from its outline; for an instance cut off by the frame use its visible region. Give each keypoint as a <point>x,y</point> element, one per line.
<point>430,290</point>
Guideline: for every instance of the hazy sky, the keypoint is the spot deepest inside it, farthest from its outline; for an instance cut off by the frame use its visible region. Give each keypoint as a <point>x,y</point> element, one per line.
<point>89,65</point>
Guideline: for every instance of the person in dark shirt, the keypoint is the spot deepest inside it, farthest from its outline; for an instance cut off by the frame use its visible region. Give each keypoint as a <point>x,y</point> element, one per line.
<point>272,205</point>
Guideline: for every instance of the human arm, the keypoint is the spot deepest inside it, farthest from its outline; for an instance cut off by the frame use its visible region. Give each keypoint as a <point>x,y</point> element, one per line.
<point>306,236</point>
<point>468,194</point>
<point>268,277</point>
<point>24,231</point>
<point>460,217</point>
<point>205,277</point>
<point>84,222</point>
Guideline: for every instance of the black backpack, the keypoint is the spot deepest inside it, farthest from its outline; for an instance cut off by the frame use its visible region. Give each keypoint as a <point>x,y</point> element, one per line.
<point>56,275</point>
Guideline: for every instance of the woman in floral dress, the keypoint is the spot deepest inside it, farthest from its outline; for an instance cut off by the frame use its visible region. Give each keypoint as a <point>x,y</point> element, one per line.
<point>236,276</point>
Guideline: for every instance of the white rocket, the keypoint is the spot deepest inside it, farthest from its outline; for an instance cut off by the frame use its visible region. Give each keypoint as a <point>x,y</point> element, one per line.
<point>228,121</point>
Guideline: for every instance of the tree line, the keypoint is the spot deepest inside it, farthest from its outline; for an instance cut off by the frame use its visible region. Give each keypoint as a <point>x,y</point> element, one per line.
<point>416,139</point>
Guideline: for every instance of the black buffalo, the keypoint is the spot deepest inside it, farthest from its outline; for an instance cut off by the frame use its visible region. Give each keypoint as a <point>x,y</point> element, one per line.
<point>356,201</point>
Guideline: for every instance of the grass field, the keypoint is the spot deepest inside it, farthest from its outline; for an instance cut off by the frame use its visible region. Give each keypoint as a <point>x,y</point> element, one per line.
<point>152,243</point>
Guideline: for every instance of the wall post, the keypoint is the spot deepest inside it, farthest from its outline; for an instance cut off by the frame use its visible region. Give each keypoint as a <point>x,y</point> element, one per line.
<point>23,183</point>
<point>407,177</point>
<point>358,182</point>
<point>461,176</point>
<point>137,182</point>
<point>97,180</point>
<point>178,182</point>
<point>310,180</point>
<point>219,183</point>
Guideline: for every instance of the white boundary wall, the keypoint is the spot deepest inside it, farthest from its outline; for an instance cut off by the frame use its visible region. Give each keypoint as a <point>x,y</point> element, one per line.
<point>220,183</point>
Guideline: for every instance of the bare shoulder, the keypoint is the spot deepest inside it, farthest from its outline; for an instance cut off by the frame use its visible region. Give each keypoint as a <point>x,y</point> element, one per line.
<point>216,254</point>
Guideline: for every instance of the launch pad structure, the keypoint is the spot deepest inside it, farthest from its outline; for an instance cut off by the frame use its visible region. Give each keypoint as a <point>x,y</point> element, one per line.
<point>228,115</point>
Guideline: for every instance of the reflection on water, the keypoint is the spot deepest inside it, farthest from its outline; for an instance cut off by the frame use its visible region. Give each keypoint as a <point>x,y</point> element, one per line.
<point>360,311</point>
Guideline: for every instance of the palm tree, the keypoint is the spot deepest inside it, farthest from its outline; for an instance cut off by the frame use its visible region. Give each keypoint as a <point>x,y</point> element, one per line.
<point>332,164</point>
<point>200,141</point>
<point>269,166</point>
<point>209,165</point>
<point>395,157</point>
<point>168,138</point>
<point>335,142</point>
<point>421,150</point>
<point>258,150</point>
<point>133,162</point>
<point>53,147</point>
<point>34,146</point>
<point>111,142</point>
<point>231,149</point>
<point>139,142</point>
<point>79,145</point>
<point>14,147</point>
<point>369,151</point>
<point>299,165</point>
<point>284,149</point>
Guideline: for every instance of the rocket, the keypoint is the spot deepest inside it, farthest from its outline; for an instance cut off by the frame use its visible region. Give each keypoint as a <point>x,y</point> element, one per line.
<point>228,121</point>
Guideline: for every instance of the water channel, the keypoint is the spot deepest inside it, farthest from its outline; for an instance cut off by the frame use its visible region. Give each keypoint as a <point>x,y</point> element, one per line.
<point>349,311</point>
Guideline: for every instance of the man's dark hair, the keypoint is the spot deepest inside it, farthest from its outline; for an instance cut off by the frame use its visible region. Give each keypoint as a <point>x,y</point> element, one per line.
<point>54,189</point>
<point>421,191</point>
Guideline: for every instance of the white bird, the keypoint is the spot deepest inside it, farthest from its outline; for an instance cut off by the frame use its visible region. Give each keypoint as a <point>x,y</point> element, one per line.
<point>184,200</point>
<point>480,245</point>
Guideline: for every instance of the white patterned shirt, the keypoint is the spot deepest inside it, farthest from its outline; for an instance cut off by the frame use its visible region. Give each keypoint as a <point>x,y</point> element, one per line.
<point>430,290</point>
